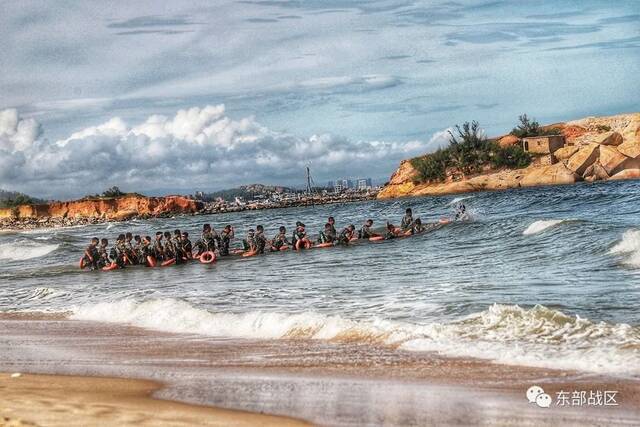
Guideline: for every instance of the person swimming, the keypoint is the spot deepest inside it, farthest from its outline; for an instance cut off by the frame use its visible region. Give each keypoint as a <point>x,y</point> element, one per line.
<point>280,240</point>
<point>145,251</point>
<point>301,238</point>
<point>117,254</point>
<point>249,243</point>
<point>103,254</point>
<point>346,235</point>
<point>91,255</point>
<point>366,231</point>
<point>261,239</point>
<point>334,233</point>
<point>461,212</point>
<point>226,235</point>
<point>128,248</point>
<point>407,220</point>
<point>392,231</point>
<point>137,243</point>
<point>177,247</point>
<point>418,227</point>
<point>208,239</point>
<point>187,247</point>
<point>327,235</point>
<point>169,247</point>
<point>158,247</point>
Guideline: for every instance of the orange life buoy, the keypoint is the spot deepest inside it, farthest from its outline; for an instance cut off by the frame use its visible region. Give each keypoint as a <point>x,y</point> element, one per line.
<point>249,253</point>
<point>284,248</point>
<point>169,262</point>
<point>207,257</point>
<point>376,238</point>
<point>110,267</point>
<point>151,261</point>
<point>82,266</point>
<point>324,245</point>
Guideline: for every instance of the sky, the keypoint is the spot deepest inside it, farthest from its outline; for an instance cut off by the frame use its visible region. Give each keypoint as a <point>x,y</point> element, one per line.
<point>176,96</point>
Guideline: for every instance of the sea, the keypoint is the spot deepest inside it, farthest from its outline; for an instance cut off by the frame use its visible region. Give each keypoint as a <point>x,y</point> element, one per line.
<point>545,277</point>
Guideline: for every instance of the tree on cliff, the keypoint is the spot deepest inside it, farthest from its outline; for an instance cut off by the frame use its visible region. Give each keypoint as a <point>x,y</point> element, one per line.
<point>530,127</point>
<point>113,192</point>
<point>469,148</point>
<point>9,199</point>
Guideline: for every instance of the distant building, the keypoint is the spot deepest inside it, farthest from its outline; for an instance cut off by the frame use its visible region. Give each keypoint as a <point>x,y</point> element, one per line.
<point>362,184</point>
<point>548,144</point>
<point>331,184</point>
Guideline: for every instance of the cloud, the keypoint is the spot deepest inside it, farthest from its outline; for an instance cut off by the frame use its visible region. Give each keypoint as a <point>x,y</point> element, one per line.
<point>16,134</point>
<point>196,148</point>
<point>439,139</point>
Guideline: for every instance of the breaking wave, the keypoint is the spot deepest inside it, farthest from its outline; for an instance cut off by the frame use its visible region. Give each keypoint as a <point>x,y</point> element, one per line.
<point>24,249</point>
<point>540,226</point>
<point>508,334</point>
<point>629,245</point>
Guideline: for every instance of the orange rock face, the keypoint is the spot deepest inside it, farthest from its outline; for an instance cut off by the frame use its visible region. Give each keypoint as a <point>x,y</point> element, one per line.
<point>116,208</point>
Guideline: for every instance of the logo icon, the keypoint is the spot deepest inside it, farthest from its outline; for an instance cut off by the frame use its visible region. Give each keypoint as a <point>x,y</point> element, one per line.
<point>535,394</point>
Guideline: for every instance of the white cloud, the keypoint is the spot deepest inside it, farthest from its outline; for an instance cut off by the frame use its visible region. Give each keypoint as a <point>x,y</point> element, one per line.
<point>439,139</point>
<point>16,134</point>
<point>196,148</point>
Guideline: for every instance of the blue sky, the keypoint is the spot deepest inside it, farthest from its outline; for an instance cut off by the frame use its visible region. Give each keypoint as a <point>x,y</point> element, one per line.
<point>387,74</point>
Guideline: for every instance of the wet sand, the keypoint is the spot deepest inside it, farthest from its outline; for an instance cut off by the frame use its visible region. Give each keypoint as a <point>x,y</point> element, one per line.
<point>56,400</point>
<point>327,383</point>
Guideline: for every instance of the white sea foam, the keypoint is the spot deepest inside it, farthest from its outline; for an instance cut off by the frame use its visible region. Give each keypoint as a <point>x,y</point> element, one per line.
<point>540,226</point>
<point>505,333</point>
<point>459,199</point>
<point>629,245</point>
<point>24,249</point>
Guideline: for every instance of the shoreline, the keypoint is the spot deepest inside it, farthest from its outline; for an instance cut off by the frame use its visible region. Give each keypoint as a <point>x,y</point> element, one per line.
<point>324,382</point>
<point>34,223</point>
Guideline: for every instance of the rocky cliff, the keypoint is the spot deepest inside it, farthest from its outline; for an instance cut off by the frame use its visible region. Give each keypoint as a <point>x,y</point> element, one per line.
<point>107,209</point>
<point>596,148</point>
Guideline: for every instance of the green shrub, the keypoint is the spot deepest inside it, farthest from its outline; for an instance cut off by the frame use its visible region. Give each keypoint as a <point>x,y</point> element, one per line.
<point>603,128</point>
<point>468,151</point>
<point>432,167</point>
<point>513,157</point>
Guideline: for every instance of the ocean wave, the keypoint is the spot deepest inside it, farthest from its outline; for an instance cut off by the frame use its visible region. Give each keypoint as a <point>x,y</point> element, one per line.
<point>24,249</point>
<point>629,245</point>
<point>540,226</point>
<point>508,334</point>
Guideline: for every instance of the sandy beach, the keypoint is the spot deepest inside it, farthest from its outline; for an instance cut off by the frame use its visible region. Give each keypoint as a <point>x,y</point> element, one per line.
<point>57,400</point>
<point>325,383</point>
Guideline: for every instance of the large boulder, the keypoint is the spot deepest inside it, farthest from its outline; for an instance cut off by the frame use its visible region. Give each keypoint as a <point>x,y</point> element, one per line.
<point>595,172</point>
<point>630,149</point>
<point>508,141</point>
<point>627,174</point>
<point>549,175</point>
<point>608,138</point>
<point>565,153</point>
<point>611,160</point>
<point>584,158</point>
